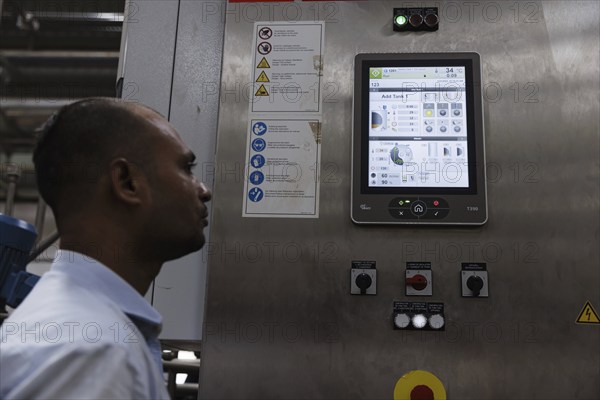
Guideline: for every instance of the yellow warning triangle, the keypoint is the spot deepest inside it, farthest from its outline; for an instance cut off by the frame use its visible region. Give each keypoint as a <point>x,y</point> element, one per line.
<point>588,315</point>
<point>263,77</point>
<point>262,91</point>
<point>263,63</point>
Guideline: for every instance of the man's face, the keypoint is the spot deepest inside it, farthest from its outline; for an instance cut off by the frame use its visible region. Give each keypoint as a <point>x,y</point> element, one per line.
<point>178,212</point>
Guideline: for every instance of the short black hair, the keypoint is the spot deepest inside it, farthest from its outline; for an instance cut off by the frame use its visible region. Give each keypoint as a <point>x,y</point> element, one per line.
<point>76,144</point>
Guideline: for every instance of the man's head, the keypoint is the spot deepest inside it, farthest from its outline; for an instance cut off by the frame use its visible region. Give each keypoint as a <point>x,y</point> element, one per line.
<point>123,168</point>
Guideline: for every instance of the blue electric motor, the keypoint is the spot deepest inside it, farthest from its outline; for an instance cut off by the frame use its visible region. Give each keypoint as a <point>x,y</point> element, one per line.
<point>17,238</point>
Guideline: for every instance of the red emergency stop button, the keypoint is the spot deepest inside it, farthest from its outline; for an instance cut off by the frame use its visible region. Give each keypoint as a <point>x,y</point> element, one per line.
<point>421,392</point>
<point>419,385</point>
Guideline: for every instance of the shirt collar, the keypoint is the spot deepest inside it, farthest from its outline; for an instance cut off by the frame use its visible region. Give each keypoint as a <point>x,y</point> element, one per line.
<point>97,277</point>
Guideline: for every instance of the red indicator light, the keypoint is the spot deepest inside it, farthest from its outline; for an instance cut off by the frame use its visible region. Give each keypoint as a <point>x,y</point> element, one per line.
<point>415,20</point>
<point>436,203</point>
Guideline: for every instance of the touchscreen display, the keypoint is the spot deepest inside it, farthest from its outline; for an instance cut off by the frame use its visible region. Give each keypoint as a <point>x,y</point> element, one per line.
<point>418,127</point>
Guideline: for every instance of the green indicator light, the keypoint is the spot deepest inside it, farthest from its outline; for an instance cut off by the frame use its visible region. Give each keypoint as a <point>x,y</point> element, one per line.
<point>407,201</point>
<point>400,20</point>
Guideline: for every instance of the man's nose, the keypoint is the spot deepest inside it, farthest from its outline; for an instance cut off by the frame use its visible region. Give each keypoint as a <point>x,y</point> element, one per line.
<point>204,193</point>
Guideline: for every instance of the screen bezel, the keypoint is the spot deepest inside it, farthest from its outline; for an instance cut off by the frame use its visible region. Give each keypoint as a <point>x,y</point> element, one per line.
<point>470,118</point>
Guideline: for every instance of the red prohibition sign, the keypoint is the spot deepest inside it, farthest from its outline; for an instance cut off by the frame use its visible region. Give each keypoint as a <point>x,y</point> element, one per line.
<point>265,33</point>
<point>264,48</point>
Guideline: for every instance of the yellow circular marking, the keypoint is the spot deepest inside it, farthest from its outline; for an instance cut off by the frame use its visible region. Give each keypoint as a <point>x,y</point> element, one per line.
<point>411,380</point>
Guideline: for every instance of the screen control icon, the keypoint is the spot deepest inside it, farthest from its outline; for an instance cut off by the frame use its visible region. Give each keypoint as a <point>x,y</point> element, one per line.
<point>418,208</point>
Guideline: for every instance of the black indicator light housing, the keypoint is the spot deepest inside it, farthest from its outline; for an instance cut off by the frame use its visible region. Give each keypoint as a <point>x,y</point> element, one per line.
<point>416,19</point>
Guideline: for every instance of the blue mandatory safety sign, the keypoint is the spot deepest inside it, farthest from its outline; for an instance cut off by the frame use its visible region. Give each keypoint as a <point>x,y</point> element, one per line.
<point>259,128</point>
<point>258,144</point>
<point>257,177</point>
<point>257,161</point>
<point>255,194</point>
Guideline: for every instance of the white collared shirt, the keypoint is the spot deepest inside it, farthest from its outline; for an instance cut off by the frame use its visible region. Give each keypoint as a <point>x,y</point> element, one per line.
<point>83,332</point>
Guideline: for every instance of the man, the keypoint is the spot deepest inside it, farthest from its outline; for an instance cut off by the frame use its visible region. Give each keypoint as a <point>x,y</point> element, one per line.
<point>120,183</point>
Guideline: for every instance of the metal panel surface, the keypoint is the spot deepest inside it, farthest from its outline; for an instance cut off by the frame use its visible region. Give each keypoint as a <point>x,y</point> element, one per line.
<point>280,321</point>
<point>147,51</point>
<point>146,58</point>
<point>179,290</point>
<point>171,60</point>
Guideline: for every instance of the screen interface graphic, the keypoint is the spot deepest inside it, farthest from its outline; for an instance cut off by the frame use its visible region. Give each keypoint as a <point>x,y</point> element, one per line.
<point>418,127</point>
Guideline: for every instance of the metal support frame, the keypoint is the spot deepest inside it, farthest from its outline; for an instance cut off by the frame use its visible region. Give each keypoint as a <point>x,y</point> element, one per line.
<point>12,175</point>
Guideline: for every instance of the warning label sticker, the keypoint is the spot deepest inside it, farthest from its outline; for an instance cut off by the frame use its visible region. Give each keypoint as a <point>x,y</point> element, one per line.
<point>588,315</point>
<point>293,54</point>
<point>263,64</point>
<point>262,91</point>
<point>263,77</point>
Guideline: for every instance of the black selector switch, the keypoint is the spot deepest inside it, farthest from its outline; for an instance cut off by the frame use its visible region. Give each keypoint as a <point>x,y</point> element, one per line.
<point>474,280</point>
<point>363,281</point>
<point>475,284</point>
<point>363,277</point>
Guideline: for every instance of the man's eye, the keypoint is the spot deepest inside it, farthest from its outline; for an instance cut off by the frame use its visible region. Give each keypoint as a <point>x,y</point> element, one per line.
<point>191,166</point>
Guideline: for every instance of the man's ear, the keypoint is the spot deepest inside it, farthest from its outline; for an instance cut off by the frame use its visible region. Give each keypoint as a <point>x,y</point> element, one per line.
<point>127,181</point>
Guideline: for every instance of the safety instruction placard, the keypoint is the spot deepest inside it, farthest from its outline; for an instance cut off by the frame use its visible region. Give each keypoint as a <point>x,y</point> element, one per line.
<point>287,67</point>
<point>282,168</point>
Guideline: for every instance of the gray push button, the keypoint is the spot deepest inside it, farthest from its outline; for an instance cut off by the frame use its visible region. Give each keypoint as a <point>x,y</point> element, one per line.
<point>418,208</point>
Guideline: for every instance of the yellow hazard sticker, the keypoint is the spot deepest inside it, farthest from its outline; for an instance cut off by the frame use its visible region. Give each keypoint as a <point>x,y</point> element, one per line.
<point>263,77</point>
<point>419,385</point>
<point>262,91</point>
<point>263,63</point>
<point>588,315</point>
